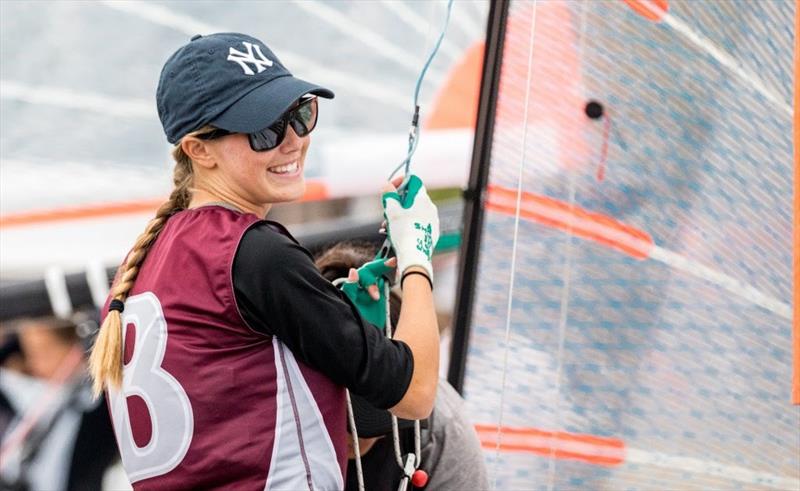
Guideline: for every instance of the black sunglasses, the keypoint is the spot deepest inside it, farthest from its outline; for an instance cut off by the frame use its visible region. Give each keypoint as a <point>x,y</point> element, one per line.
<point>302,117</point>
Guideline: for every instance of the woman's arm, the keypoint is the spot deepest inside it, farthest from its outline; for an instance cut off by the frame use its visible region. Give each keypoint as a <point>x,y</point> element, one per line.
<point>412,223</point>
<point>280,292</point>
<point>417,327</point>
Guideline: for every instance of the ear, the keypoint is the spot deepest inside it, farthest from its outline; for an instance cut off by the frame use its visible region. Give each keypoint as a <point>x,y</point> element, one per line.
<point>198,150</point>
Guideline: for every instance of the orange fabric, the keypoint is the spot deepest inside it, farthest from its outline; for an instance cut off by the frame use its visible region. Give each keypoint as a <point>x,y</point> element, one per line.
<point>315,191</point>
<point>581,223</point>
<point>555,92</point>
<point>796,323</point>
<point>597,450</point>
<point>657,10</point>
<point>456,105</point>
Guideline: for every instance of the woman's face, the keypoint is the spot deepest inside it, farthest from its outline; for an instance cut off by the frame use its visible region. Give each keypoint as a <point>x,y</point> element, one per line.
<point>255,180</point>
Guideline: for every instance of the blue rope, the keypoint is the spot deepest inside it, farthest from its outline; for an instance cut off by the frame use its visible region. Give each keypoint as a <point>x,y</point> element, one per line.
<point>413,136</point>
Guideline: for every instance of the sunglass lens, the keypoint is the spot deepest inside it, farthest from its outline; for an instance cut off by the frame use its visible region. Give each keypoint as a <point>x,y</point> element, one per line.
<point>268,138</point>
<point>304,117</point>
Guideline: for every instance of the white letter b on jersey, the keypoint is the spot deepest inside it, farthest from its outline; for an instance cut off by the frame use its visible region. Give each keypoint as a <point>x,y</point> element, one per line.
<point>166,402</point>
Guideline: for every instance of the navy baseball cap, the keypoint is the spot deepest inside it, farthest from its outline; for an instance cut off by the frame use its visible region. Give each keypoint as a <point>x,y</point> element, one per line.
<point>228,80</point>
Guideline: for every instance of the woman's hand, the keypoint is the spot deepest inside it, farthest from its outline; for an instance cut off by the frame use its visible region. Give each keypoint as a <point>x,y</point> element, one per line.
<point>373,290</point>
<point>412,222</point>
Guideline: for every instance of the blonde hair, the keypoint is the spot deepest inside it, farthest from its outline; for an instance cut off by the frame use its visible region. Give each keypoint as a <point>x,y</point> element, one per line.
<point>105,361</point>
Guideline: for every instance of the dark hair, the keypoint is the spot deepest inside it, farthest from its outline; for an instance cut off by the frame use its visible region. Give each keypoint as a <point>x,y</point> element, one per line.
<point>336,261</point>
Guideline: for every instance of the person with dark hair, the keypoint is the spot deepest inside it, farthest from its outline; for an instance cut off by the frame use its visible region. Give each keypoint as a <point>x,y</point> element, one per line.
<point>451,454</point>
<point>224,352</point>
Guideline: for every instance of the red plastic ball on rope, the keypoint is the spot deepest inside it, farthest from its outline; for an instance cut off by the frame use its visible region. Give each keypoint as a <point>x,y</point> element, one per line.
<point>419,478</point>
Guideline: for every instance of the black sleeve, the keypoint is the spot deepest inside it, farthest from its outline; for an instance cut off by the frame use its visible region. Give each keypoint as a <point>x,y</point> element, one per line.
<point>280,292</point>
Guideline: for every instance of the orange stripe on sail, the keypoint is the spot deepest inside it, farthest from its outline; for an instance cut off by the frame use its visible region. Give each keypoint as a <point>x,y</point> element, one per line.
<point>581,223</point>
<point>796,321</point>
<point>315,191</point>
<point>653,10</point>
<point>592,449</point>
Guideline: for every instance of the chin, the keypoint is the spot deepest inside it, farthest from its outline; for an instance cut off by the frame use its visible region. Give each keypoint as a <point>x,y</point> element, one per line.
<point>295,192</point>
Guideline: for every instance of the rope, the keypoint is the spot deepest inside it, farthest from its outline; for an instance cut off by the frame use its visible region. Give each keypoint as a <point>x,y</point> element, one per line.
<point>413,141</point>
<point>413,132</point>
<point>356,448</point>
<point>514,249</point>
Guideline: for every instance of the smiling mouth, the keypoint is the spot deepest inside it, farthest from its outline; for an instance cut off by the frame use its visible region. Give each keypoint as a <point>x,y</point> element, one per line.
<point>290,168</point>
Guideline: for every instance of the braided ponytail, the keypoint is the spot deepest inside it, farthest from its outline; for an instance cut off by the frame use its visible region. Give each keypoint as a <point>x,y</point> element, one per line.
<point>105,361</point>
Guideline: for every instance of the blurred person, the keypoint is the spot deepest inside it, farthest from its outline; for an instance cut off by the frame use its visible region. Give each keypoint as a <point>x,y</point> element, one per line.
<point>451,452</point>
<point>54,434</point>
<point>236,351</point>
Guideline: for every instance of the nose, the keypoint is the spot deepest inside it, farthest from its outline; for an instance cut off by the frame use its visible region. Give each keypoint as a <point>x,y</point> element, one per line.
<point>291,142</point>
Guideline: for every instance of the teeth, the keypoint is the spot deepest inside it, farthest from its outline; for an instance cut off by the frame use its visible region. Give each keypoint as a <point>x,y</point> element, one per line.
<point>284,169</point>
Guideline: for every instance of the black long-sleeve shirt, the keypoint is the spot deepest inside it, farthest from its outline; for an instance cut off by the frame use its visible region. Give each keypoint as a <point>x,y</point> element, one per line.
<point>280,292</point>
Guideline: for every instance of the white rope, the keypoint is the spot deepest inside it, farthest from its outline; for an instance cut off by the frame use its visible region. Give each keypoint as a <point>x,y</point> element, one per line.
<point>395,429</point>
<point>389,334</point>
<point>514,248</point>
<point>351,421</point>
<point>356,448</point>
<point>387,289</point>
<point>417,445</point>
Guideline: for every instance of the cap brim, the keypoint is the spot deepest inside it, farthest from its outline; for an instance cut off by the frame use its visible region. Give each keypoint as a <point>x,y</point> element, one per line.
<point>264,105</point>
<point>372,422</point>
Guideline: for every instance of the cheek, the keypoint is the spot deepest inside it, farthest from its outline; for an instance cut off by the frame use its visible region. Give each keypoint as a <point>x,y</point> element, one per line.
<point>237,159</point>
<point>237,149</point>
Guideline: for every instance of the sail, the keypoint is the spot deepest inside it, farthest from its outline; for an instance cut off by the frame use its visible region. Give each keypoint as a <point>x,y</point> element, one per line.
<point>632,319</point>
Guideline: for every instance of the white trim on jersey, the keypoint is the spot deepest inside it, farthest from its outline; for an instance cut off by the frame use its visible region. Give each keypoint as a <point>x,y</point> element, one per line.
<point>291,456</point>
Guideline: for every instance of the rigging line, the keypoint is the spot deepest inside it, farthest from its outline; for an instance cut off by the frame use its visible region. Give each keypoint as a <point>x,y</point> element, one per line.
<point>514,247</point>
<point>565,280</point>
<point>413,136</point>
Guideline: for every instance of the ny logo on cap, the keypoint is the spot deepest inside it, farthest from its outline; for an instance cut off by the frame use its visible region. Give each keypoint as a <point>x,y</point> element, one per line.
<point>261,63</point>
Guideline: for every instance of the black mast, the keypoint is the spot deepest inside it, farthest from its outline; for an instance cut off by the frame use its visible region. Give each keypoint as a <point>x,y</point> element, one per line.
<point>474,195</point>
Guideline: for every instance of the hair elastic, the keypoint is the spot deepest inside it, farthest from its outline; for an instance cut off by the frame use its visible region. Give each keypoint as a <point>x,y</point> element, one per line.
<point>409,273</point>
<point>117,305</point>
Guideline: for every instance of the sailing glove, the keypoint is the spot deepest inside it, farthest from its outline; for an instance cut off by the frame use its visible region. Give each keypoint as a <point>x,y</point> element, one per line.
<point>412,223</point>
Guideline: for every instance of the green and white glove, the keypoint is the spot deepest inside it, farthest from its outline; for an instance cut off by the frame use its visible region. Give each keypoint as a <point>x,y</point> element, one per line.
<point>412,223</point>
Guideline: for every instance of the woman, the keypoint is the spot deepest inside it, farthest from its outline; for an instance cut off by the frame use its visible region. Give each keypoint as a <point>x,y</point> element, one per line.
<point>451,452</point>
<point>236,351</point>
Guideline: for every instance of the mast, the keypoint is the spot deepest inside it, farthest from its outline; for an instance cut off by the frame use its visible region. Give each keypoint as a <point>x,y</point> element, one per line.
<point>474,194</point>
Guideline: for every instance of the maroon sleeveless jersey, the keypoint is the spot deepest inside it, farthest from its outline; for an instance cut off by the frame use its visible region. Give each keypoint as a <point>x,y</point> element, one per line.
<point>206,402</point>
